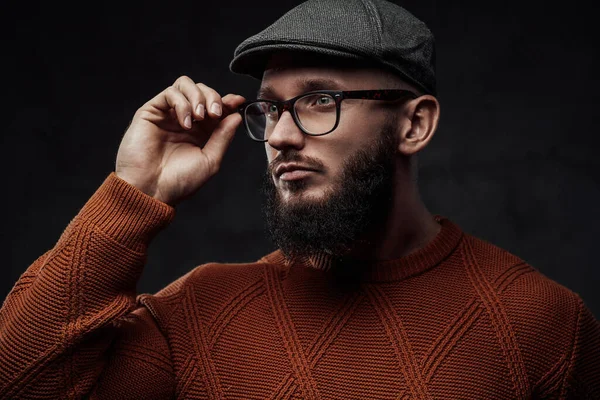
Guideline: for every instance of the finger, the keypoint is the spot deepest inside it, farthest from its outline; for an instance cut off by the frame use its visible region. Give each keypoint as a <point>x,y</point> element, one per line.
<point>220,139</point>
<point>172,98</point>
<point>214,105</point>
<point>194,95</point>
<point>231,102</point>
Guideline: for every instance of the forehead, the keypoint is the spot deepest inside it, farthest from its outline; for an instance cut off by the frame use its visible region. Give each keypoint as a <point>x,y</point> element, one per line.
<point>297,72</point>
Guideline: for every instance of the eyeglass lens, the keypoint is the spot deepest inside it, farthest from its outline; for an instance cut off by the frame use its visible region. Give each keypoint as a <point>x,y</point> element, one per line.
<point>316,114</point>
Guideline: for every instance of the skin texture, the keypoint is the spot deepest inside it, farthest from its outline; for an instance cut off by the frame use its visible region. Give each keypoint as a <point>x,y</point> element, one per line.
<point>166,155</point>
<point>176,142</point>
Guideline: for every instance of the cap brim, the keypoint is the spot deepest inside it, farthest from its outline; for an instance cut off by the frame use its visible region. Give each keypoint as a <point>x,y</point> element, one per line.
<point>253,61</point>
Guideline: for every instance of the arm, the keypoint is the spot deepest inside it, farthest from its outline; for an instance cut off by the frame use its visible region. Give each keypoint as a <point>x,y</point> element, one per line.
<point>582,378</point>
<point>576,375</point>
<point>67,325</point>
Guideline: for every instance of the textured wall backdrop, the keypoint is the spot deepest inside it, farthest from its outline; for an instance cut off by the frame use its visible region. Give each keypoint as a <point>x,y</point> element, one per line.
<point>514,160</point>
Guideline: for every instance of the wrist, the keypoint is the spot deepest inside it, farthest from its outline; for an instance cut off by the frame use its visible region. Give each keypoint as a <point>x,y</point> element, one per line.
<point>126,214</point>
<point>144,185</point>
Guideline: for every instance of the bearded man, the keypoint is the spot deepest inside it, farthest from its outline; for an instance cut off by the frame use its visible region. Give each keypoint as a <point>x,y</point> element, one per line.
<point>369,295</point>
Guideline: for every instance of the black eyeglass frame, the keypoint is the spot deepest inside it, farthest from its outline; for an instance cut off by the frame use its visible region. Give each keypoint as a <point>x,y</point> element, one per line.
<point>338,96</point>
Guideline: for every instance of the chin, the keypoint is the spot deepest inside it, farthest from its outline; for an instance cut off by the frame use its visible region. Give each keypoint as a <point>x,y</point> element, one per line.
<point>301,192</point>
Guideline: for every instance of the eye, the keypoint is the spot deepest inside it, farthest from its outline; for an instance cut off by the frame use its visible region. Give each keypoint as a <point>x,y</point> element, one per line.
<point>272,109</point>
<point>324,101</point>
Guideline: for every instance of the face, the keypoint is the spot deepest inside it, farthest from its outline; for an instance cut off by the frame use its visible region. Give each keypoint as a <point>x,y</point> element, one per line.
<point>324,192</point>
<point>313,164</point>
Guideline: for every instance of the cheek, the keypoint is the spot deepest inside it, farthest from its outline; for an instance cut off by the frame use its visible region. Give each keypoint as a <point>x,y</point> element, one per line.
<point>334,156</point>
<point>345,143</point>
<point>357,129</point>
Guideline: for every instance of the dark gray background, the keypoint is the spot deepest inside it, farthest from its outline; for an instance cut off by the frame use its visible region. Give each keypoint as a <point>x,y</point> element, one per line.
<point>514,160</point>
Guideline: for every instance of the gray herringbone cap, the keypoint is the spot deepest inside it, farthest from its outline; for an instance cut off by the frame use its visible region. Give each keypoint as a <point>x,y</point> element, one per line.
<point>373,30</point>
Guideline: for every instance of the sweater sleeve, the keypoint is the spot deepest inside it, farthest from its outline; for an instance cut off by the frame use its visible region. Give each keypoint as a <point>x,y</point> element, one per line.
<point>582,380</point>
<point>70,326</point>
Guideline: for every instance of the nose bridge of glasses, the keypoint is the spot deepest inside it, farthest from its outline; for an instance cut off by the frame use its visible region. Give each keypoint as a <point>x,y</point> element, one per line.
<point>284,106</point>
<point>285,132</point>
<point>282,118</point>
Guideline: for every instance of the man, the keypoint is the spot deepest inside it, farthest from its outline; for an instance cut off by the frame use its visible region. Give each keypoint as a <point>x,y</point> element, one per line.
<point>369,295</point>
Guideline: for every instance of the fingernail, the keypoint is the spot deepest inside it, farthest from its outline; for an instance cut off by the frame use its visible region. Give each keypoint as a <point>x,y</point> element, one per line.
<point>188,121</point>
<point>216,109</point>
<point>200,110</point>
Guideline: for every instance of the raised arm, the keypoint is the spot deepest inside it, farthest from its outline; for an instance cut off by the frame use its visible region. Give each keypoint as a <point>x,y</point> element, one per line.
<point>71,327</point>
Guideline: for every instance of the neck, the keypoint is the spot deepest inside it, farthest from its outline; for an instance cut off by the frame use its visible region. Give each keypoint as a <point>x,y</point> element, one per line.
<point>407,228</point>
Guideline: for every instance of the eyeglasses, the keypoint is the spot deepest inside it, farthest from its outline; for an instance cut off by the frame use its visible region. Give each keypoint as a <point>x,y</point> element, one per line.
<point>315,113</point>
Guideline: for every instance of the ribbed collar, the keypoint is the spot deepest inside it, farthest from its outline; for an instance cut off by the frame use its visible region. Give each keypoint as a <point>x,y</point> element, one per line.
<point>414,263</point>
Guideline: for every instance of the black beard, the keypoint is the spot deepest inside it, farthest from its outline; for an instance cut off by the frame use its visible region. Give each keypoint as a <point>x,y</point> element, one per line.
<point>359,201</point>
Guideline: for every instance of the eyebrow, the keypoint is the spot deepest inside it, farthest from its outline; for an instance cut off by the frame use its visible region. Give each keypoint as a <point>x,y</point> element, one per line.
<point>304,85</point>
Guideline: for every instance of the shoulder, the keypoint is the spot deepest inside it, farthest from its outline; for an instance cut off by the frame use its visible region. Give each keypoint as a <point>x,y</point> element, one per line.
<point>213,285</point>
<point>540,314</point>
<point>520,285</point>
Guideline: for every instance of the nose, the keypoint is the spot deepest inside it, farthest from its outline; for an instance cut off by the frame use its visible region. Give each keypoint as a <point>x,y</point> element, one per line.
<point>286,134</point>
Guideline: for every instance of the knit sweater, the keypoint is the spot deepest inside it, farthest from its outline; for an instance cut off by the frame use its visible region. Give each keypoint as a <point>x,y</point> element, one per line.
<point>458,318</point>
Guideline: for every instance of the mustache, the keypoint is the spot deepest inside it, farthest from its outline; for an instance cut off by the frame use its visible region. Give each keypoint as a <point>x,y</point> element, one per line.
<point>294,156</point>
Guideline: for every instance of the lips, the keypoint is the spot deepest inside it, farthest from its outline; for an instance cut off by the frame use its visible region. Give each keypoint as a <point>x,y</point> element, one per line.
<point>293,170</point>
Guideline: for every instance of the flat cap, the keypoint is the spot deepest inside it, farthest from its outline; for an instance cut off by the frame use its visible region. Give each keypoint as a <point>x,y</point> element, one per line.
<point>376,31</point>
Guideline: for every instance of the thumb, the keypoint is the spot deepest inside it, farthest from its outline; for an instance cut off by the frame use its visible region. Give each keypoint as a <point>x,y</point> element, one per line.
<point>221,137</point>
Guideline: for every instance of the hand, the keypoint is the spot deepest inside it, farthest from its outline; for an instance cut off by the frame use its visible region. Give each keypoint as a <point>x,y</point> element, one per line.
<point>176,141</point>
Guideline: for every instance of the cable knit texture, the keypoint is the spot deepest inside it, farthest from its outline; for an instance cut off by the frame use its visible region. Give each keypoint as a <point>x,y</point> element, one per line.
<point>458,318</point>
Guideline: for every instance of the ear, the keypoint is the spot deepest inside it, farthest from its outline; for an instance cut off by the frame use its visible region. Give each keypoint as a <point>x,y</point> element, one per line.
<point>419,123</point>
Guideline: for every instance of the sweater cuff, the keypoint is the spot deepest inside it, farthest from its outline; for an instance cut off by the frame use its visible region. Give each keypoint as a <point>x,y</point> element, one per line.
<point>125,213</point>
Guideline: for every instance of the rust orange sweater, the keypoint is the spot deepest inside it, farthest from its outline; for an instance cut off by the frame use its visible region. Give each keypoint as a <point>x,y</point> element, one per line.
<point>457,319</point>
